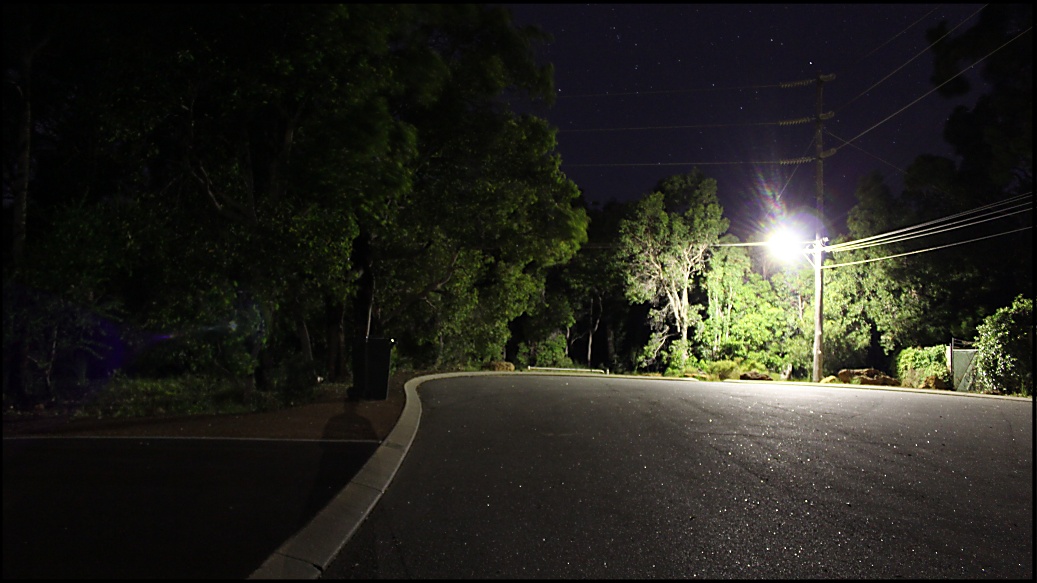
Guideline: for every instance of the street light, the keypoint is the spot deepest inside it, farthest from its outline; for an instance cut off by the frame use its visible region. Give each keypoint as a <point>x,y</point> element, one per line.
<point>786,247</point>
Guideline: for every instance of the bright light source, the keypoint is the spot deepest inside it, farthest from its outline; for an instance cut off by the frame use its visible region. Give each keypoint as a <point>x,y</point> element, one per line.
<point>785,246</point>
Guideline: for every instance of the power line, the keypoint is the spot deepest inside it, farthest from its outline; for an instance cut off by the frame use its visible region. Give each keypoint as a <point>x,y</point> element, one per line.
<point>802,159</point>
<point>892,38</point>
<point>806,159</point>
<point>679,127</point>
<point>913,232</point>
<point>932,231</point>
<point>916,229</point>
<point>927,93</point>
<point>912,59</point>
<point>867,153</point>
<point>923,229</point>
<point>669,91</point>
<point>925,250</point>
<point>783,85</point>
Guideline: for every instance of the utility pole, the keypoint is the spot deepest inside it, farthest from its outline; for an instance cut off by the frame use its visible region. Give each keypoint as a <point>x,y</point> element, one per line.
<point>819,254</point>
<point>819,240</point>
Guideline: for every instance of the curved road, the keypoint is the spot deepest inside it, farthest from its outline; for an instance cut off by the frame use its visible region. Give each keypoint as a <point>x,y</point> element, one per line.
<point>534,475</point>
<point>528,475</point>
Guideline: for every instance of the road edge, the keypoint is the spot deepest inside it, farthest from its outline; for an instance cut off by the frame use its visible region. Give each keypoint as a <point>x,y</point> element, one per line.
<point>307,554</point>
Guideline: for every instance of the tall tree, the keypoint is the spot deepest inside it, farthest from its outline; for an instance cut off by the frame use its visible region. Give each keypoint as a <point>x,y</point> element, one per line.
<point>663,247</point>
<point>490,210</point>
<point>234,175</point>
<point>994,137</point>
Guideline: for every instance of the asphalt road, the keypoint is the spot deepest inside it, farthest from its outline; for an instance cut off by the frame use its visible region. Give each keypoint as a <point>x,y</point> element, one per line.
<point>162,508</point>
<point>529,475</point>
<point>609,477</point>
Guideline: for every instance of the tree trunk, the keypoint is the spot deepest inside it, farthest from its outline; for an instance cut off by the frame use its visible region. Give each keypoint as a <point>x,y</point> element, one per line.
<point>304,335</point>
<point>335,337</point>
<point>24,145</point>
<point>363,307</point>
<point>683,321</point>
<point>260,377</point>
<point>595,322</point>
<point>16,369</point>
<point>610,345</point>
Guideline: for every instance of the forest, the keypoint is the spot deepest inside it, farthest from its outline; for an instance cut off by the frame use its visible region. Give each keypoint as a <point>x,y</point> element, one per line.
<point>218,203</point>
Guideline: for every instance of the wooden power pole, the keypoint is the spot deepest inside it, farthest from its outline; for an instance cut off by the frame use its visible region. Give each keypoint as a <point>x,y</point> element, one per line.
<point>817,255</point>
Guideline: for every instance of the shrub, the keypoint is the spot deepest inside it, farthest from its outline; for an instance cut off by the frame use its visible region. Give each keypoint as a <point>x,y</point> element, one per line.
<point>678,358</point>
<point>724,369</point>
<point>185,395</point>
<point>550,352</point>
<point>914,365</point>
<point>1004,343</point>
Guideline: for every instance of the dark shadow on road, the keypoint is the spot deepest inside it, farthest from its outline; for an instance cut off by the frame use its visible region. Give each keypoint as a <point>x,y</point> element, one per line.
<point>335,470</point>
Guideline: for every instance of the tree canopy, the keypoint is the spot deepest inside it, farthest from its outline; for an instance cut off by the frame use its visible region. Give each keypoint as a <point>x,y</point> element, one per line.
<point>663,246</point>
<point>249,188</point>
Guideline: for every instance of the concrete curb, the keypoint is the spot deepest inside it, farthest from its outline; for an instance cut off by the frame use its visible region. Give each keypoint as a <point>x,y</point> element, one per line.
<point>307,554</point>
<point>878,388</point>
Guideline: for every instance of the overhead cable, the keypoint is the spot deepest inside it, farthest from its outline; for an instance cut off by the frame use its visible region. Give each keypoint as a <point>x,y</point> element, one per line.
<point>921,229</point>
<point>924,250</point>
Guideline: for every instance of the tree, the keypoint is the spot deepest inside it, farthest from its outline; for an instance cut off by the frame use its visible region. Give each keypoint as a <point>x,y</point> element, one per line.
<point>664,246</point>
<point>995,137</point>
<point>921,299</point>
<point>1004,361</point>
<point>593,284</point>
<point>263,169</point>
<point>794,291</point>
<point>467,250</point>
<point>745,317</point>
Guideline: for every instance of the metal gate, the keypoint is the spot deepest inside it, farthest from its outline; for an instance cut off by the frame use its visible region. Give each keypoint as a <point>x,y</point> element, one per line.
<point>962,364</point>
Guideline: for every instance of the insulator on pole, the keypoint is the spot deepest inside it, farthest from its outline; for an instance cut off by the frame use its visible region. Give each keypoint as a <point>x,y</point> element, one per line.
<point>791,122</point>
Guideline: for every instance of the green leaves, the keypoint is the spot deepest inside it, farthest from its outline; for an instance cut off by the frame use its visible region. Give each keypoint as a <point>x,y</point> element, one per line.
<point>1004,361</point>
<point>664,244</point>
<point>745,317</point>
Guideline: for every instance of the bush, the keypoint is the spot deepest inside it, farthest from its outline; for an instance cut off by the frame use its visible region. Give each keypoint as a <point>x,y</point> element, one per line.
<point>678,359</point>
<point>914,365</point>
<point>550,352</point>
<point>724,369</point>
<point>1004,343</point>
<point>186,395</point>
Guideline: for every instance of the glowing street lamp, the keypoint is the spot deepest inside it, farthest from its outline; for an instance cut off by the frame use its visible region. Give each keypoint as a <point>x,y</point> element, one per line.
<point>786,247</point>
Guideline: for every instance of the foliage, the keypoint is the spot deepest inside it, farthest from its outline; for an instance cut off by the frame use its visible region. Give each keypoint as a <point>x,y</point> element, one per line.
<point>995,136</point>
<point>847,325</point>
<point>182,395</point>
<point>267,177</point>
<point>663,246</point>
<point>793,291</point>
<point>1005,350</point>
<point>550,352</point>
<point>679,358</point>
<point>592,283</point>
<point>746,317</point>
<point>914,365</point>
<point>724,369</point>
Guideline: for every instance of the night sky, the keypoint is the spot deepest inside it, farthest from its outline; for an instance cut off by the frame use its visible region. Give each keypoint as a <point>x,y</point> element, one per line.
<point>704,78</point>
